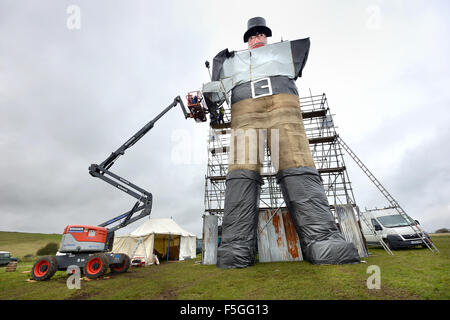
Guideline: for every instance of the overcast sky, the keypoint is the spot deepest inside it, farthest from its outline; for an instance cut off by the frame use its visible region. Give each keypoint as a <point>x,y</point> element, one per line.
<point>72,91</point>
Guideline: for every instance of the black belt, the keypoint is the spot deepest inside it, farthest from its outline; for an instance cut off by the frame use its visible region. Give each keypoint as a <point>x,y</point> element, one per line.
<point>263,87</point>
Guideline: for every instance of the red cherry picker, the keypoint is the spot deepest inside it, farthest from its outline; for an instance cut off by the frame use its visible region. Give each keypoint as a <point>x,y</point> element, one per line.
<point>89,247</point>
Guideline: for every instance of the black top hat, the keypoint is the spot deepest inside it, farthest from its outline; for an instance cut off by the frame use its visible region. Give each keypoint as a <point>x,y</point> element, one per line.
<point>255,25</point>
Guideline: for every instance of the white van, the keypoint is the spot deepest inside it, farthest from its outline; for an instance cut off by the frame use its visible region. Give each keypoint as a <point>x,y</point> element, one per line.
<point>396,232</point>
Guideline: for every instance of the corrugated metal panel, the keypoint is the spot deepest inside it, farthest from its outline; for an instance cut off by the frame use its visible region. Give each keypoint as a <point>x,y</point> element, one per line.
<point>277,238</point>
<point>210,239</point>
<point>350,228</point>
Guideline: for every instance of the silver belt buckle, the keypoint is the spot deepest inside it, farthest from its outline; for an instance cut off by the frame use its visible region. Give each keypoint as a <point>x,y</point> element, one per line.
<point>267,86</point>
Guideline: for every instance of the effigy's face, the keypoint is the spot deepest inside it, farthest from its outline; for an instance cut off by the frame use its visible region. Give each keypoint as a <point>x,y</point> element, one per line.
<point>257,41</point>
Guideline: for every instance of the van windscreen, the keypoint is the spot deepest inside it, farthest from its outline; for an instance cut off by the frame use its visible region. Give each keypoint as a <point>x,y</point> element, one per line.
<point>395,221</point>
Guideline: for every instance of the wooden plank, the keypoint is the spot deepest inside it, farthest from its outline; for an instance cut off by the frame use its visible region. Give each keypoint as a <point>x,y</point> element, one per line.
<point>277,238</point>
<point>350,228</point>
<point>314,113</point>
<point>209,239</point>
<point>11,267</point>
<point>322,140</point>
<point>321,171</point>
<point>305,115</point>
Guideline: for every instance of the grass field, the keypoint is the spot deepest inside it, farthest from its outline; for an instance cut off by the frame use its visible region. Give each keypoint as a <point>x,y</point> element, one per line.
<point>25,244</point>
<point>409,274</point>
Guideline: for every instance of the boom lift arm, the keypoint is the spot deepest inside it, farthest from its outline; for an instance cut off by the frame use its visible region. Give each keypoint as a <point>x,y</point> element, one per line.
<point>144,197</point>
<point>89,247</point>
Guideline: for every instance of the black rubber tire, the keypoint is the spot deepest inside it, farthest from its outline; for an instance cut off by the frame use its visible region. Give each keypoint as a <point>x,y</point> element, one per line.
<point>44,268</point>
<point>388,244</point>
<point>425,246</point>
<point>122,267</point>
<point>106,261</point>
<point>95,266</point>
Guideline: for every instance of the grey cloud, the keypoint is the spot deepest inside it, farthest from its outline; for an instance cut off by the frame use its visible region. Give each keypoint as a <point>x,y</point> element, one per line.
<point>70,97</point>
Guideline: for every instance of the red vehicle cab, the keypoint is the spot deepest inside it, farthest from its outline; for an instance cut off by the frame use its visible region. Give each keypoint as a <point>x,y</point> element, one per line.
<point>87,233</point>
<point>196,106</point>
<point>78,239</point>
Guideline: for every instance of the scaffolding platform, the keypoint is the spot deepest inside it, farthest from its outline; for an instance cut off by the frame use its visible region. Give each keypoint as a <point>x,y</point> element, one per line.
<point>327,149</point>
<point>324,146</point>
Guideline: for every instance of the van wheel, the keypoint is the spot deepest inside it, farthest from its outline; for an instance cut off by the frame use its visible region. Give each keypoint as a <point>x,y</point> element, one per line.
<point>388,244</point>
<point>425,246</point>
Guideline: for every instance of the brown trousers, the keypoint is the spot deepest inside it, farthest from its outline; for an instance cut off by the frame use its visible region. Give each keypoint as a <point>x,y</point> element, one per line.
<point>280,115</point>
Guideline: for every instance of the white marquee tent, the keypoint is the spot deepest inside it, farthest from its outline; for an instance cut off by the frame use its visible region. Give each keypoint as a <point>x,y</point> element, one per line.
<point>163,235</point>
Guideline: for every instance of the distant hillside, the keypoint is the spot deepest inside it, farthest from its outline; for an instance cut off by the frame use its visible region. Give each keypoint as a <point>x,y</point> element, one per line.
<point>21,243</point>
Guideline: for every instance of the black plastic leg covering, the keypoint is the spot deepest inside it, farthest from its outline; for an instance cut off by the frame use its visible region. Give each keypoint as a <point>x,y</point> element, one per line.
<point>240,220</point>
<point>321,240</point>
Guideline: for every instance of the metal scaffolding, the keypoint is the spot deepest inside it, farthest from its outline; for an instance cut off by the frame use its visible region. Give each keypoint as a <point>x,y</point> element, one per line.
<point>325,149</point>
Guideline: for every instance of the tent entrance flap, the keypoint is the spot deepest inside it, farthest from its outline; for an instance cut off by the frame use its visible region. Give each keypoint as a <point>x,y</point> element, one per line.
<point>155,233</point>
<point>135,247</point>
<point>167,246</point>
